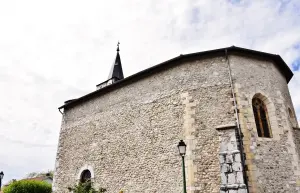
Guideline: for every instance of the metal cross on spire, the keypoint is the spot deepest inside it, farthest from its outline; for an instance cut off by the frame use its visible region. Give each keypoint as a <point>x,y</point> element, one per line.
<point>118,46</point>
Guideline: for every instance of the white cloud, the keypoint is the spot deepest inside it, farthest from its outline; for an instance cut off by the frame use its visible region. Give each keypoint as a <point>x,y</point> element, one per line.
<point>52,51</point>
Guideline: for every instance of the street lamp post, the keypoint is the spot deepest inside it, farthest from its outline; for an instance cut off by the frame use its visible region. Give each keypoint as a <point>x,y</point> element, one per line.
<point>1,177</point>
<point>182,150</point>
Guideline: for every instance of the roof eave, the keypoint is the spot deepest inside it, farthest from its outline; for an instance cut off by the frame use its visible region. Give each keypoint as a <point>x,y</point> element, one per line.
<point>276,58</point>
<point>127,79</point>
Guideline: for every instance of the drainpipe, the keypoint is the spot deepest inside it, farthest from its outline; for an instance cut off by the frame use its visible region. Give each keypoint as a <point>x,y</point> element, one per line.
<point>238,131</point>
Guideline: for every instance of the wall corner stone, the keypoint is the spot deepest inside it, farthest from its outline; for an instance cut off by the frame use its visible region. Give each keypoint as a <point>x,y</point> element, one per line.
<point>232,179</point>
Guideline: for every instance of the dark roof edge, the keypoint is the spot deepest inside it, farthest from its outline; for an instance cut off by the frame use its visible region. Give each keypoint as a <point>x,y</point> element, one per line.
<point>276,58</point>
<point>104,89</point>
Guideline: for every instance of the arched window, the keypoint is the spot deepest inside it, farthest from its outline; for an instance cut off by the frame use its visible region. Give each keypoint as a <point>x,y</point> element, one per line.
<point>85,176</point>
<point>261,118</point>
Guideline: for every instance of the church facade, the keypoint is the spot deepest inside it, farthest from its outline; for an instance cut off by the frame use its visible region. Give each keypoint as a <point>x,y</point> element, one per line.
<point>231,106</point>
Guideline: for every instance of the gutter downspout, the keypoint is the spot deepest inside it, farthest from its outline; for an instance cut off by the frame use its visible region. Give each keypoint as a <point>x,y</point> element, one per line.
<point>60,111</point>
<point>238,131</point>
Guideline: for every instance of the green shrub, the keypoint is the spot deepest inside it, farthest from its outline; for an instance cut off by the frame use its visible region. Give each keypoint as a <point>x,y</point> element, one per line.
<point>28,186</point>
<point>86,188</point>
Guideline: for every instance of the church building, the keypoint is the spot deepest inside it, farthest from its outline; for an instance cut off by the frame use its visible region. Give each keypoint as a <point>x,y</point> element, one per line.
<point>231,106</point>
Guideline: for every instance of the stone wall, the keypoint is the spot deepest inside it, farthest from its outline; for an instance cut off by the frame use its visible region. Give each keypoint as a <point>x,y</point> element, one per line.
<point>128,136</point>
<point>272,163</point>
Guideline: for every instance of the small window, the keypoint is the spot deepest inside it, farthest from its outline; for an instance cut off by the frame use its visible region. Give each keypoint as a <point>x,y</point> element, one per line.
<point>291,114</point>
<point>85,176</point>
<point>261,118</point>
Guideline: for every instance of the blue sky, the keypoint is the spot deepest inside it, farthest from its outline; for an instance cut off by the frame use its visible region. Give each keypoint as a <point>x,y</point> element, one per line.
<point>51,51</point>
<point>296,65</point>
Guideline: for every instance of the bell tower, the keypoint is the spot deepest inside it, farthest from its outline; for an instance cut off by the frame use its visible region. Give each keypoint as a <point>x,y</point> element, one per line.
<point>116,72</point>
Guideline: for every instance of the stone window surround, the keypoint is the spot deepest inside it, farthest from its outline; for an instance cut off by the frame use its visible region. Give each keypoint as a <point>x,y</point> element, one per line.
<point>262,126</point>
<point>292,117</point>
<point>275,130</point>
<point>85,167</point>
<point>290,113</point>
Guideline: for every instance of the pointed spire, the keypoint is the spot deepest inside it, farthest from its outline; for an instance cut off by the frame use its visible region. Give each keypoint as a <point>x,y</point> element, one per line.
<point>116,70</point>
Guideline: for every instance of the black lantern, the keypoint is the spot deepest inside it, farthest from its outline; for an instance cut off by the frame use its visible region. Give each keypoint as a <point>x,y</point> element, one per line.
<point>182,151</point>
<point>1,177</point>
<point>181,148</point>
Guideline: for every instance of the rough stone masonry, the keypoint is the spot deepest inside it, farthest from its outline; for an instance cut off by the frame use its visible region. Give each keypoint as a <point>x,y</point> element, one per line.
<point>126,134</point>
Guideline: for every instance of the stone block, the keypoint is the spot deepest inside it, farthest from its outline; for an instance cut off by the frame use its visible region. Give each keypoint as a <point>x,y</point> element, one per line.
<point>243,190</point>
<point>232,191</point>
<point>250,155</point>
<point>232,146</point>
<point>251,167</point>
<point>223,187</point>
<point>231,178</point>
<point>223,147</point>
<point>233,186</point>
<point>239,178</point>
<point>229,158</point>
<point>222,159</point>
<point>237,166</point>
<point>237,157</point>
<point>223,178</point>
<point>225,168</point>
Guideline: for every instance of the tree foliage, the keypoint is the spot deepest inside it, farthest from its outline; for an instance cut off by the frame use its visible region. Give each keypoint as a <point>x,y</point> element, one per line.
<point>86,188</point>
<point>40,174</point>
<point>28,186</point>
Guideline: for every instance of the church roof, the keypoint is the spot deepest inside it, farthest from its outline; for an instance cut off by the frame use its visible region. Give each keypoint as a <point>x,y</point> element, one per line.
<point>164,65</point>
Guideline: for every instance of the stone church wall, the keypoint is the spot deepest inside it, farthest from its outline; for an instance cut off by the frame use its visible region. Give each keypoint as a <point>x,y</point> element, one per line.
<point>128,137</point>
<point>272,163</point>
